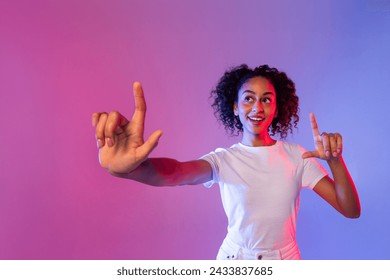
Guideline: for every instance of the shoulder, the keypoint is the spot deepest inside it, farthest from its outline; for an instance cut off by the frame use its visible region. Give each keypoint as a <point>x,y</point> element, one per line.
<point>294,151</point>
<point>236,148</point>
<point>223,154</point>
<point>292,147</point>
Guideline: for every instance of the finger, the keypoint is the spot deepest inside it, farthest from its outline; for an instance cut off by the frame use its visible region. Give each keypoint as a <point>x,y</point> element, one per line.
<point>314,126</point>
<point>150,143</point>
<point>310,154</point>
<point>326,144</point>
<point>333,145</point>
<point>100,127</point>
<point>114,125</point>
<point>318,139</point>
<point>339,143</point>
<point>140,108</point>
<point>95,119</point>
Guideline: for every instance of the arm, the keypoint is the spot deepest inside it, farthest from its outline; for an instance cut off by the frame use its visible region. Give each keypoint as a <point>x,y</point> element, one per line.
<point>340,192</point>
<point>124,153</point>
<point>170,172</point>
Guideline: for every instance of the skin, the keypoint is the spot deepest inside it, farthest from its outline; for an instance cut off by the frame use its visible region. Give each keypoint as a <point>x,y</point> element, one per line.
<point>123,152</point>
<point>341,192</point>
<point>256,108</point>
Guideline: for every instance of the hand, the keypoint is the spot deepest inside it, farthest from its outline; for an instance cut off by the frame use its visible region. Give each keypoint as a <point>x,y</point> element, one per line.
<point>120,142</point>
<point>328,145</point>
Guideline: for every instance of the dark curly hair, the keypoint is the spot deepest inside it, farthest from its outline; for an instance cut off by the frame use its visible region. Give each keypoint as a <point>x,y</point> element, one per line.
<point>226,91</point>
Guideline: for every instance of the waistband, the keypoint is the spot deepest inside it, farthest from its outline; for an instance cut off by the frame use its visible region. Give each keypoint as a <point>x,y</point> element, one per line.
<point>230,250</point>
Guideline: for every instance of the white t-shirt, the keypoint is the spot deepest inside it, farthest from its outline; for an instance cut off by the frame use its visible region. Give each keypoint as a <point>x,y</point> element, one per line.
<point>260,189</point>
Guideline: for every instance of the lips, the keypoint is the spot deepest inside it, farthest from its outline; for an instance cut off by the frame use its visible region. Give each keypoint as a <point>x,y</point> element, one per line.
<point>255,118</point>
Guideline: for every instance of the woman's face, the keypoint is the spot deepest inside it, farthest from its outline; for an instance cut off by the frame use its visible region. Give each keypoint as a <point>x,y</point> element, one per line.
<point>256,106</point>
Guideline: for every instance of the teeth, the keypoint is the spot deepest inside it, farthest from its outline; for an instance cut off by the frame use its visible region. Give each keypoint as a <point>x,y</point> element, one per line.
<point>255,119</point>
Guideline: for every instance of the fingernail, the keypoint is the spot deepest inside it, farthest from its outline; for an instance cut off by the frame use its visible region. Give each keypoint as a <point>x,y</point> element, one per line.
<point>99,143</point>
<point>109,142</point>
<point>334,154</point>
<point>327,154</point>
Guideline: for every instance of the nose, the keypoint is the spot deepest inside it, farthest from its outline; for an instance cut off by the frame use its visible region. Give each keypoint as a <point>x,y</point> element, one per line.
<point>257,107</point>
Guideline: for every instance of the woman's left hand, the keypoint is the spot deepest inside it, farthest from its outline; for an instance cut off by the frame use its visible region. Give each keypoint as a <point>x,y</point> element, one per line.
<point>329,146</point>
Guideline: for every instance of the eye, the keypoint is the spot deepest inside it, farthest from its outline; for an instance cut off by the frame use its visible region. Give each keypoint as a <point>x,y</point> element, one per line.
<point>267,100</point>
<point>248,99</point>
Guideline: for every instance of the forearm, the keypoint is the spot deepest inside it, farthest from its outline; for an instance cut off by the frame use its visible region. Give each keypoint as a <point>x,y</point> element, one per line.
<point>170,172</point>
<point>346,194</point>
<point>155,172</point>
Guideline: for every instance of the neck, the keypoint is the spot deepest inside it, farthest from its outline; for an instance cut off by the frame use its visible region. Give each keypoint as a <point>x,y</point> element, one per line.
<point>257,140</point>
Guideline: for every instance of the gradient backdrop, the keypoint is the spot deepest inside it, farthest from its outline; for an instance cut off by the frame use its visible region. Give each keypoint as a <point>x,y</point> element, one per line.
<point>60,61</point>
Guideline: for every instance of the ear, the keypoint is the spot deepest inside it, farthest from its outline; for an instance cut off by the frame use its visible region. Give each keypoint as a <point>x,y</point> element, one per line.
<point>235,109</point>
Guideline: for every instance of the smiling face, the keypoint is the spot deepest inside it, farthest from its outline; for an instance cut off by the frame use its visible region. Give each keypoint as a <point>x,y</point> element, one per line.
<point>256,108</point>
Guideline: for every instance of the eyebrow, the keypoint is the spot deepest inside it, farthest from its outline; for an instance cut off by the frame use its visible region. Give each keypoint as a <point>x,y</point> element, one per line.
<point>250,91</point>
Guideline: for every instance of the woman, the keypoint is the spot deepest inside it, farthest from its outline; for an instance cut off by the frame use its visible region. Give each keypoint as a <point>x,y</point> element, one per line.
<point>260,178</point>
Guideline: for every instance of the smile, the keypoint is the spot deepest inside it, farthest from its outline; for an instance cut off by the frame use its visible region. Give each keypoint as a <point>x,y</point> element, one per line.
<point>256,119</point>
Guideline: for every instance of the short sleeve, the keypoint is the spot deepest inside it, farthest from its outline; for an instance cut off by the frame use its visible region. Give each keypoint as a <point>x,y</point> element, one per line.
<point>212,159</point>
<point>312,173</point>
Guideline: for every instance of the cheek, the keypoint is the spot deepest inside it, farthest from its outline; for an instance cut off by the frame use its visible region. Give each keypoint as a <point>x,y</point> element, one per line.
<point>242,109</point>
<point>273,109</point>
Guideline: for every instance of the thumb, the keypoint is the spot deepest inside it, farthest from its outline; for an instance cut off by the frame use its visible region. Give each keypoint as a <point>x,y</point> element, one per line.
<point>150,143</point>
<point>310,154</point>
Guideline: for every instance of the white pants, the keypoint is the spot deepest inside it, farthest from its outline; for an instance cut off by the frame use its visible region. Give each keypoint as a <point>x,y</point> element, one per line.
<point>231,251</point>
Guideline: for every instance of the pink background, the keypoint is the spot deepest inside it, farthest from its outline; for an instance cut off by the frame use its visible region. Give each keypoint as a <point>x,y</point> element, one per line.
<point>60,61</point>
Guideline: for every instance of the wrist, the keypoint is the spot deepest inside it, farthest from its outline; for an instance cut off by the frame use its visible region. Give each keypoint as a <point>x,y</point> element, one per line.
<point>335,161</point>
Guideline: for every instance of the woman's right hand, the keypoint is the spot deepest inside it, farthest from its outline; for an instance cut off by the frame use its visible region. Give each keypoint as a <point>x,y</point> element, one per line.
<point>120,142</point>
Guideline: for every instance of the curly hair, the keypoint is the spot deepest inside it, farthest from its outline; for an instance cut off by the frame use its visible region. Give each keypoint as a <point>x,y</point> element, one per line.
<point>226,91</point>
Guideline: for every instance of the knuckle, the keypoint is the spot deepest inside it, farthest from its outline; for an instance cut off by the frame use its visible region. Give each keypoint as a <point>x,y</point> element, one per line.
<point>112,121</point>
<point>99,133</point>
<point>99,115</point>
<point>114,115</point>
<point>101,124</point>
<point>325,137</point>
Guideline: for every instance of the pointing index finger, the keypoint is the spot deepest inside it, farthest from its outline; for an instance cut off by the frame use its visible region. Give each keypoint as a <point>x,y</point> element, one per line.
<point>140,105</point>
<point>139,97</point>
<point>314,127</point>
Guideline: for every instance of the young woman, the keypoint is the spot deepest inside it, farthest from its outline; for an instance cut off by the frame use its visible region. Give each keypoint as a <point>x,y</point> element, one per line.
<point>260,178</point>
